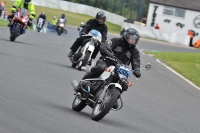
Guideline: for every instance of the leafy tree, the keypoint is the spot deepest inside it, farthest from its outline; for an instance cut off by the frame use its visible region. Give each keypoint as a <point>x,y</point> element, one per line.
<point>127,8</point>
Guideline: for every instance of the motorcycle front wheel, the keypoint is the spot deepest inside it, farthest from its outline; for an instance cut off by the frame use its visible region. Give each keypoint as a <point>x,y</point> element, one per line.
<point>78,104</point>
<point>14,34</point>
<point>59,31</point>
<point>38,29</point>
<point>85,60</point>
<point>102,108</point>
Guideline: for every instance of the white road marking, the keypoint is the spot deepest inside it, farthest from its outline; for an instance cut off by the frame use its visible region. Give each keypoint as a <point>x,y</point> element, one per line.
<point>141,50</point>
<point>173,71</point>
<point>178,74</point>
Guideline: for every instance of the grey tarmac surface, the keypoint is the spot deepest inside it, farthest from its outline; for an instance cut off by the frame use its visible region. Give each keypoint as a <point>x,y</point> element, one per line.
<point>36,93</point>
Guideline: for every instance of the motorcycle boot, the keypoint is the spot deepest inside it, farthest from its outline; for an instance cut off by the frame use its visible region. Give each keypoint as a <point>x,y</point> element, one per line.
<point>70,54</point>
<point>116,105</point>
<point>90,62</point>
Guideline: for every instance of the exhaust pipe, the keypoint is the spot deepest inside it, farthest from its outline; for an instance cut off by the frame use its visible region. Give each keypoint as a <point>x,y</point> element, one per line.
<point>75,85</point>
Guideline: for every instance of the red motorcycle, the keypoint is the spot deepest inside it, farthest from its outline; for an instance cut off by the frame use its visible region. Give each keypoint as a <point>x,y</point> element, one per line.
<point>19,23</point>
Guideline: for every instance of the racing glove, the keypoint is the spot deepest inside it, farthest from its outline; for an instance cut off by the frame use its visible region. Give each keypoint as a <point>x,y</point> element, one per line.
<point>137,73</point>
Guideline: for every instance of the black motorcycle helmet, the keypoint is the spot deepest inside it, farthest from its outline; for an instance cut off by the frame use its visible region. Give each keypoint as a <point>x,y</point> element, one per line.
<point>63,16</point>
<point>42,14</point>
<point>131,37</point>
<point>101,15</point>
<point>27,1</point>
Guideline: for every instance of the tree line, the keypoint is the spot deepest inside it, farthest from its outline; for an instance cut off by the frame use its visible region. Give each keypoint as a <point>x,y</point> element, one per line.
<point>131,9</point>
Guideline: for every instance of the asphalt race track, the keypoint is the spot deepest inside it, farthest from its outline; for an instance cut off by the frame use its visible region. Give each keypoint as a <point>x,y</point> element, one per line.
<point>36,93</point>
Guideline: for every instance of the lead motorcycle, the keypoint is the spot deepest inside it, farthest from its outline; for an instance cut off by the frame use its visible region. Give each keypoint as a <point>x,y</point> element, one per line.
<point>19,23</point>
<point>83,54</point>
<point>102,93</point>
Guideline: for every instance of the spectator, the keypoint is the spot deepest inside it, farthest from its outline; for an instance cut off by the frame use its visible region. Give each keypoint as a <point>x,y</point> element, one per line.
<point>191,34</point>
<point>144,20</point>
<point>2,4</point>
<point>158,27</point>
<point>6,15</point>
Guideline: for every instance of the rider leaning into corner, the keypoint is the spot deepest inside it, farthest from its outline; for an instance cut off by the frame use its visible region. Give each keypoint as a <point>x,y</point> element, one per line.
<point>97,24</point>
<point>62,17</point>
<point>43,16</point>
<point>124,49</point>
<point>27,4</point>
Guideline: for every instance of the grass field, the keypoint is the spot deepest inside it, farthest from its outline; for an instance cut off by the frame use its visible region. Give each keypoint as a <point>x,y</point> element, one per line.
<point>187,64</point>
<point>74,19</point>
<point>3,23</point>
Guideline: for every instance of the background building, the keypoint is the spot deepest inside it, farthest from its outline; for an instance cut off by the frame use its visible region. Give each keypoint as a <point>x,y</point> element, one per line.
<point>175,15</point>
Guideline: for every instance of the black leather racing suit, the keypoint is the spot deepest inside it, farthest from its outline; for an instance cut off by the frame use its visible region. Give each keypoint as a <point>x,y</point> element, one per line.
<point>91,24</point>
<point>122,51</point>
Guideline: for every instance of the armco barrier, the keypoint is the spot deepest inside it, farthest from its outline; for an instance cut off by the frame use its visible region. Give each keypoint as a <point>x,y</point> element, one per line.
<point>171,37</point>
<point>79,8</point>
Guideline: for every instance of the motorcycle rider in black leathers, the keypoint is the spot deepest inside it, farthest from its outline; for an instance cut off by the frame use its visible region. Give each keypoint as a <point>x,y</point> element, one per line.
<point>43,16</point>
<point>96,24</point>
<point>124,49</point>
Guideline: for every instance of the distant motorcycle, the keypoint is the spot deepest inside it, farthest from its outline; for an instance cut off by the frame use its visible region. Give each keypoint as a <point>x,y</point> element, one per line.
<point>40,23</point>
<point>81,29</point>
<point>60,26</point>
<point>19,25</point>
<point>83,54</point>
<point>102,93</point>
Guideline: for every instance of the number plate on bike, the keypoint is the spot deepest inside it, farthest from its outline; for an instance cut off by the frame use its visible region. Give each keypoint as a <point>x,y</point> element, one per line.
<point>40,20</point>
<point>123,72</point>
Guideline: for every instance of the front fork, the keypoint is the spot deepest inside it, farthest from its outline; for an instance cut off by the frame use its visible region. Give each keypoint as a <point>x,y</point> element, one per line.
<point>22,29</point>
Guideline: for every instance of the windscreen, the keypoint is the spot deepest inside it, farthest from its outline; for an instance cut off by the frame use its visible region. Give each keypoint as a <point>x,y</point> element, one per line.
<point>23,12</point>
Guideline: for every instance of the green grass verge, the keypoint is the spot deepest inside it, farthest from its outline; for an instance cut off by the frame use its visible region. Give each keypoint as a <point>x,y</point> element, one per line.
<point>74,19</point>
<point>187,64</point>
<point>3,23</point>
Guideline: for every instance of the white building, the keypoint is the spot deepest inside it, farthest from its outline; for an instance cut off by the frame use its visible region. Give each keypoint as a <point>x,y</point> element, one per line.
<point>186,12</point>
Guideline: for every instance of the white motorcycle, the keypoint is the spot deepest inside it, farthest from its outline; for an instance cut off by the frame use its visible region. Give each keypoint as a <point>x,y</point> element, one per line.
<point>103,92</point>
<point>40,23</point>
<point>60,26</point>
<point>83,54</point>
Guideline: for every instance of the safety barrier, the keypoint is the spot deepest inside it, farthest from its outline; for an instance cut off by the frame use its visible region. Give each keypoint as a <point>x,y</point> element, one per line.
<point>79,8</point>
<point>172,37</point>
